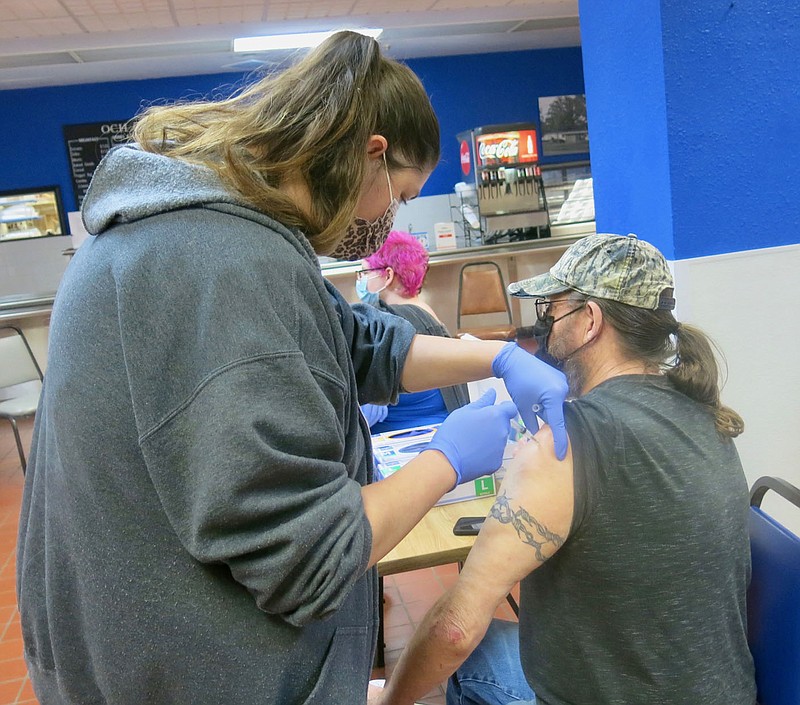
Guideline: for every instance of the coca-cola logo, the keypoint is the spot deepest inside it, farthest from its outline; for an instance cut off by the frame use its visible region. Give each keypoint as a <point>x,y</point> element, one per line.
<point>502,149</point>
<point>465,157</point>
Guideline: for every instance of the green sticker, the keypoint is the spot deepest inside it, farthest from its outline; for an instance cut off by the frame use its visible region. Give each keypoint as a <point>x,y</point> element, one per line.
<point>484,486</point>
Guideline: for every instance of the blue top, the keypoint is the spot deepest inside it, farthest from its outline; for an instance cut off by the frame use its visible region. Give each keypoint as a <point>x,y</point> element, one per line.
<point>413,409</point>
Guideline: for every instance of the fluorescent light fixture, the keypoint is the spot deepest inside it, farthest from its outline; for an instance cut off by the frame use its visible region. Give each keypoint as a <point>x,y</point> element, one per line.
<point>291,41</point>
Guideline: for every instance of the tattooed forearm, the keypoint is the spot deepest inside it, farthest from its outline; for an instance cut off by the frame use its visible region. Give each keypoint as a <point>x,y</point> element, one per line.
<point>523,522</point>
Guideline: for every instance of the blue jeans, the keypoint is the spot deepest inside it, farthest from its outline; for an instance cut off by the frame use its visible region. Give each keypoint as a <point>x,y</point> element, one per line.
<point>492,675</point>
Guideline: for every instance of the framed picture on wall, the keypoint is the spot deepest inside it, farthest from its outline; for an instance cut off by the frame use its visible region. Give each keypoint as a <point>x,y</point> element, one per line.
<point>563,123</point>
<point>31,213</point>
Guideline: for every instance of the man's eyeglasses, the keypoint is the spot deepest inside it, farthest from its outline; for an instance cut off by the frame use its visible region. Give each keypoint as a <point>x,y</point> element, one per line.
<point>544,306</point>
<point>361,273</point>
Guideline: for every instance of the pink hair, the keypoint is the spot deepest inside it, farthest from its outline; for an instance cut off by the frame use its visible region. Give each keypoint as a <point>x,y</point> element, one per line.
<point>406,256</point>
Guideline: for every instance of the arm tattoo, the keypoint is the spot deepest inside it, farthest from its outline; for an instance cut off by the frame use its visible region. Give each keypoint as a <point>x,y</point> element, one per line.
<point>521,520</point>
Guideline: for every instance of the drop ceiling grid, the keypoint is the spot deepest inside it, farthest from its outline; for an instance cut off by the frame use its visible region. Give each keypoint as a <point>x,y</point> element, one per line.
<point>31,9</point>
<point>38,33</point>
<point>44,27</point>
<point>190,17</point>
<point>467,4</point>
<point>118,15</point>
<point>386,7</point>
<point>104,7</point>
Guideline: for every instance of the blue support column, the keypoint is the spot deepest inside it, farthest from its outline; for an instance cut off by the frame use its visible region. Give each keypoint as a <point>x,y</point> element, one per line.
<point>693,121</point>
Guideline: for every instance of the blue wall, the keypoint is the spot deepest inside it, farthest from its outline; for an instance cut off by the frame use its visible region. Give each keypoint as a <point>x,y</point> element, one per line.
<point>733,100</point>
<point>693,122</point>
<point>466,91</point>
<point>33,153</point>
<point>484,89</point>
<point>626,108</point>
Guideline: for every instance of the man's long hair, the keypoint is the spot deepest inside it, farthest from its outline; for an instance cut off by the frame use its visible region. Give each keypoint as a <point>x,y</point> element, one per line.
<point>684,353</point>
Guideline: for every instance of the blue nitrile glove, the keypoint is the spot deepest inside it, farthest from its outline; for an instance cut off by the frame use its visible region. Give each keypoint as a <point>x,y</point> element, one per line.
<point>374,413</point>
<point>536,388</point>
<point>474,437</point>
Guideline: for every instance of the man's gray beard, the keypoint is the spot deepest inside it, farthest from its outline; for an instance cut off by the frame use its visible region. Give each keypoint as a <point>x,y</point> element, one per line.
<point>576,376</point>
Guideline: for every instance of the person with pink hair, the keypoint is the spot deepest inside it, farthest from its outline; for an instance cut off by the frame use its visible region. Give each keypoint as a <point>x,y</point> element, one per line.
<point>391,279</point>
<point>395,273</point>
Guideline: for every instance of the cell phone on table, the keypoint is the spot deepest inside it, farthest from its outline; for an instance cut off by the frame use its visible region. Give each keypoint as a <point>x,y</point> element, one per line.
<point>468,526</point>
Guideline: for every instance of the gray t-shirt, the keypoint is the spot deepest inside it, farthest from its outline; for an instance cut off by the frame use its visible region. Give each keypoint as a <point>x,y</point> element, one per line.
<point>645,602</point>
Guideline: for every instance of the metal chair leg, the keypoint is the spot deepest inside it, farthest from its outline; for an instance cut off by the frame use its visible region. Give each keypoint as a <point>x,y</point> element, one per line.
<point>380,654</point>
<point>21,452</point>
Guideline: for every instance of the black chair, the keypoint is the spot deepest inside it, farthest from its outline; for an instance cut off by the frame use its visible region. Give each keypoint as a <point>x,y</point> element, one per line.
<point>773,599</point>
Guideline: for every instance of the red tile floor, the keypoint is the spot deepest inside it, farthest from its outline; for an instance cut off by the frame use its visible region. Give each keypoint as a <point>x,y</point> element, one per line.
<point>408,596</point>
<point>15,688</point>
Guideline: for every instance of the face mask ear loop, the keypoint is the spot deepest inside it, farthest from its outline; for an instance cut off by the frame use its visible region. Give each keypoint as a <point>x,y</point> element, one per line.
<point>368,279</point>
<point>388,180</point>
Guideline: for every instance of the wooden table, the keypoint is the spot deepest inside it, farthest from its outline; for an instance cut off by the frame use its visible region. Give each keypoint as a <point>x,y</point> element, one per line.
<point>430,543</point>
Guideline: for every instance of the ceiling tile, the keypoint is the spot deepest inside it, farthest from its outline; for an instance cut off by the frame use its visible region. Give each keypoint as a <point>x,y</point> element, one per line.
<point>125,34</point>
<point>27,29</point>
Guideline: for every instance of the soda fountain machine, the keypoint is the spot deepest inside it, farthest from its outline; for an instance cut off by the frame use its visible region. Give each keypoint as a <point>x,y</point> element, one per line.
<point>502,162</point>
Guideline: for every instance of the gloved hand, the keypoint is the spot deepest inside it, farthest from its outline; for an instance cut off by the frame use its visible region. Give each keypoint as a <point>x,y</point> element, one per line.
<point>536,388</point>
<point>374,413</point>
<point>474,437</point>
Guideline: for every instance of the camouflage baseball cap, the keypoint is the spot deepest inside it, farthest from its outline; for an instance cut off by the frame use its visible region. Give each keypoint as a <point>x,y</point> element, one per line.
<point>616,267</point>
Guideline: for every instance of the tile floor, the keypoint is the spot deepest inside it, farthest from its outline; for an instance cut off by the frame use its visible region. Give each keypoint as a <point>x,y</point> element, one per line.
<point>408,596</point>
<point>15,688</point>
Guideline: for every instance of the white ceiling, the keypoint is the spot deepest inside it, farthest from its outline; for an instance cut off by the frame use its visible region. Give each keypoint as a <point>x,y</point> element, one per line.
<point>57,42</point>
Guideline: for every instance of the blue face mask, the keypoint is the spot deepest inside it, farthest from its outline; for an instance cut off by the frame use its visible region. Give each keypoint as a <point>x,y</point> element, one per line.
<point>368,297</point>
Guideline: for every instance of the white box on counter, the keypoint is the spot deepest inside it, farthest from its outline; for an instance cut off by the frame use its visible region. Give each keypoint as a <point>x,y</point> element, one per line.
<point>445,236</point>
<point>393,449</point>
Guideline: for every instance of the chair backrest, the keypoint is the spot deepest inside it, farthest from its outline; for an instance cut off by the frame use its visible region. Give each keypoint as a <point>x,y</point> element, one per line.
<point>17,362</point>
<point>773,599</point>
<point>481,290</point>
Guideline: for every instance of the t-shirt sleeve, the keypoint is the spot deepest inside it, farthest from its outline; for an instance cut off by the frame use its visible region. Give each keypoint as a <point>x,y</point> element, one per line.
<point>595,438</point>
<point>379,344</point>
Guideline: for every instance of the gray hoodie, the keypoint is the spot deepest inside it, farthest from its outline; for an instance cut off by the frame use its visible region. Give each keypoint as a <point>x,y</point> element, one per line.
<point>192,528</point>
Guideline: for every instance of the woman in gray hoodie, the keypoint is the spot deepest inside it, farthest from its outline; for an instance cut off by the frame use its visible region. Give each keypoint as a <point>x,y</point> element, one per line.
<point>199,524</point>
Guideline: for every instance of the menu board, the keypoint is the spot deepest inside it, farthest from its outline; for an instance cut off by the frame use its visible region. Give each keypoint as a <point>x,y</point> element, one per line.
<point>87,144</point>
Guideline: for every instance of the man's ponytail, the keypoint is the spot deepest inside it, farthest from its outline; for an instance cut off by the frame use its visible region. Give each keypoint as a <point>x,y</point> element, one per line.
<point>684,354</point>
<point>696,374</point>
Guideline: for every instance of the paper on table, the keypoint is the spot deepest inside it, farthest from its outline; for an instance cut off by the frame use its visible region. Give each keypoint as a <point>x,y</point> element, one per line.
<point>76,228</point>
<point>478,388</point>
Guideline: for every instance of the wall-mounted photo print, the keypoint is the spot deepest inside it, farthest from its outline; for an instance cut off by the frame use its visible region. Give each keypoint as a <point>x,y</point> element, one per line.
<point>563,123</point>
<point>30,213</point>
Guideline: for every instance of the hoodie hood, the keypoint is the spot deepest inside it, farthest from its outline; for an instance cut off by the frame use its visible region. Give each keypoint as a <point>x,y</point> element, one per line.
<point>130,184</point>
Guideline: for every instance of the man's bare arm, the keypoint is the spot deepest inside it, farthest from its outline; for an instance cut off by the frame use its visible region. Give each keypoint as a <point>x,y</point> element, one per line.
<point>527,524</point>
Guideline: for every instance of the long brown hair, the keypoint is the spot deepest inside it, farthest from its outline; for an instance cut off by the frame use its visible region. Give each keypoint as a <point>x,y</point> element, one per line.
<point>683,352</point>
<point>311,121</point>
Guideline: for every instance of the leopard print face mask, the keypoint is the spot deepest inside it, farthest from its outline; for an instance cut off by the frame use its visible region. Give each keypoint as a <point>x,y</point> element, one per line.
<point>363,237</point>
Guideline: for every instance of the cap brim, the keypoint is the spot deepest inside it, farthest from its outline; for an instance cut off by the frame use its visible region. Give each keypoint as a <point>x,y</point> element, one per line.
<point>541,286</point>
